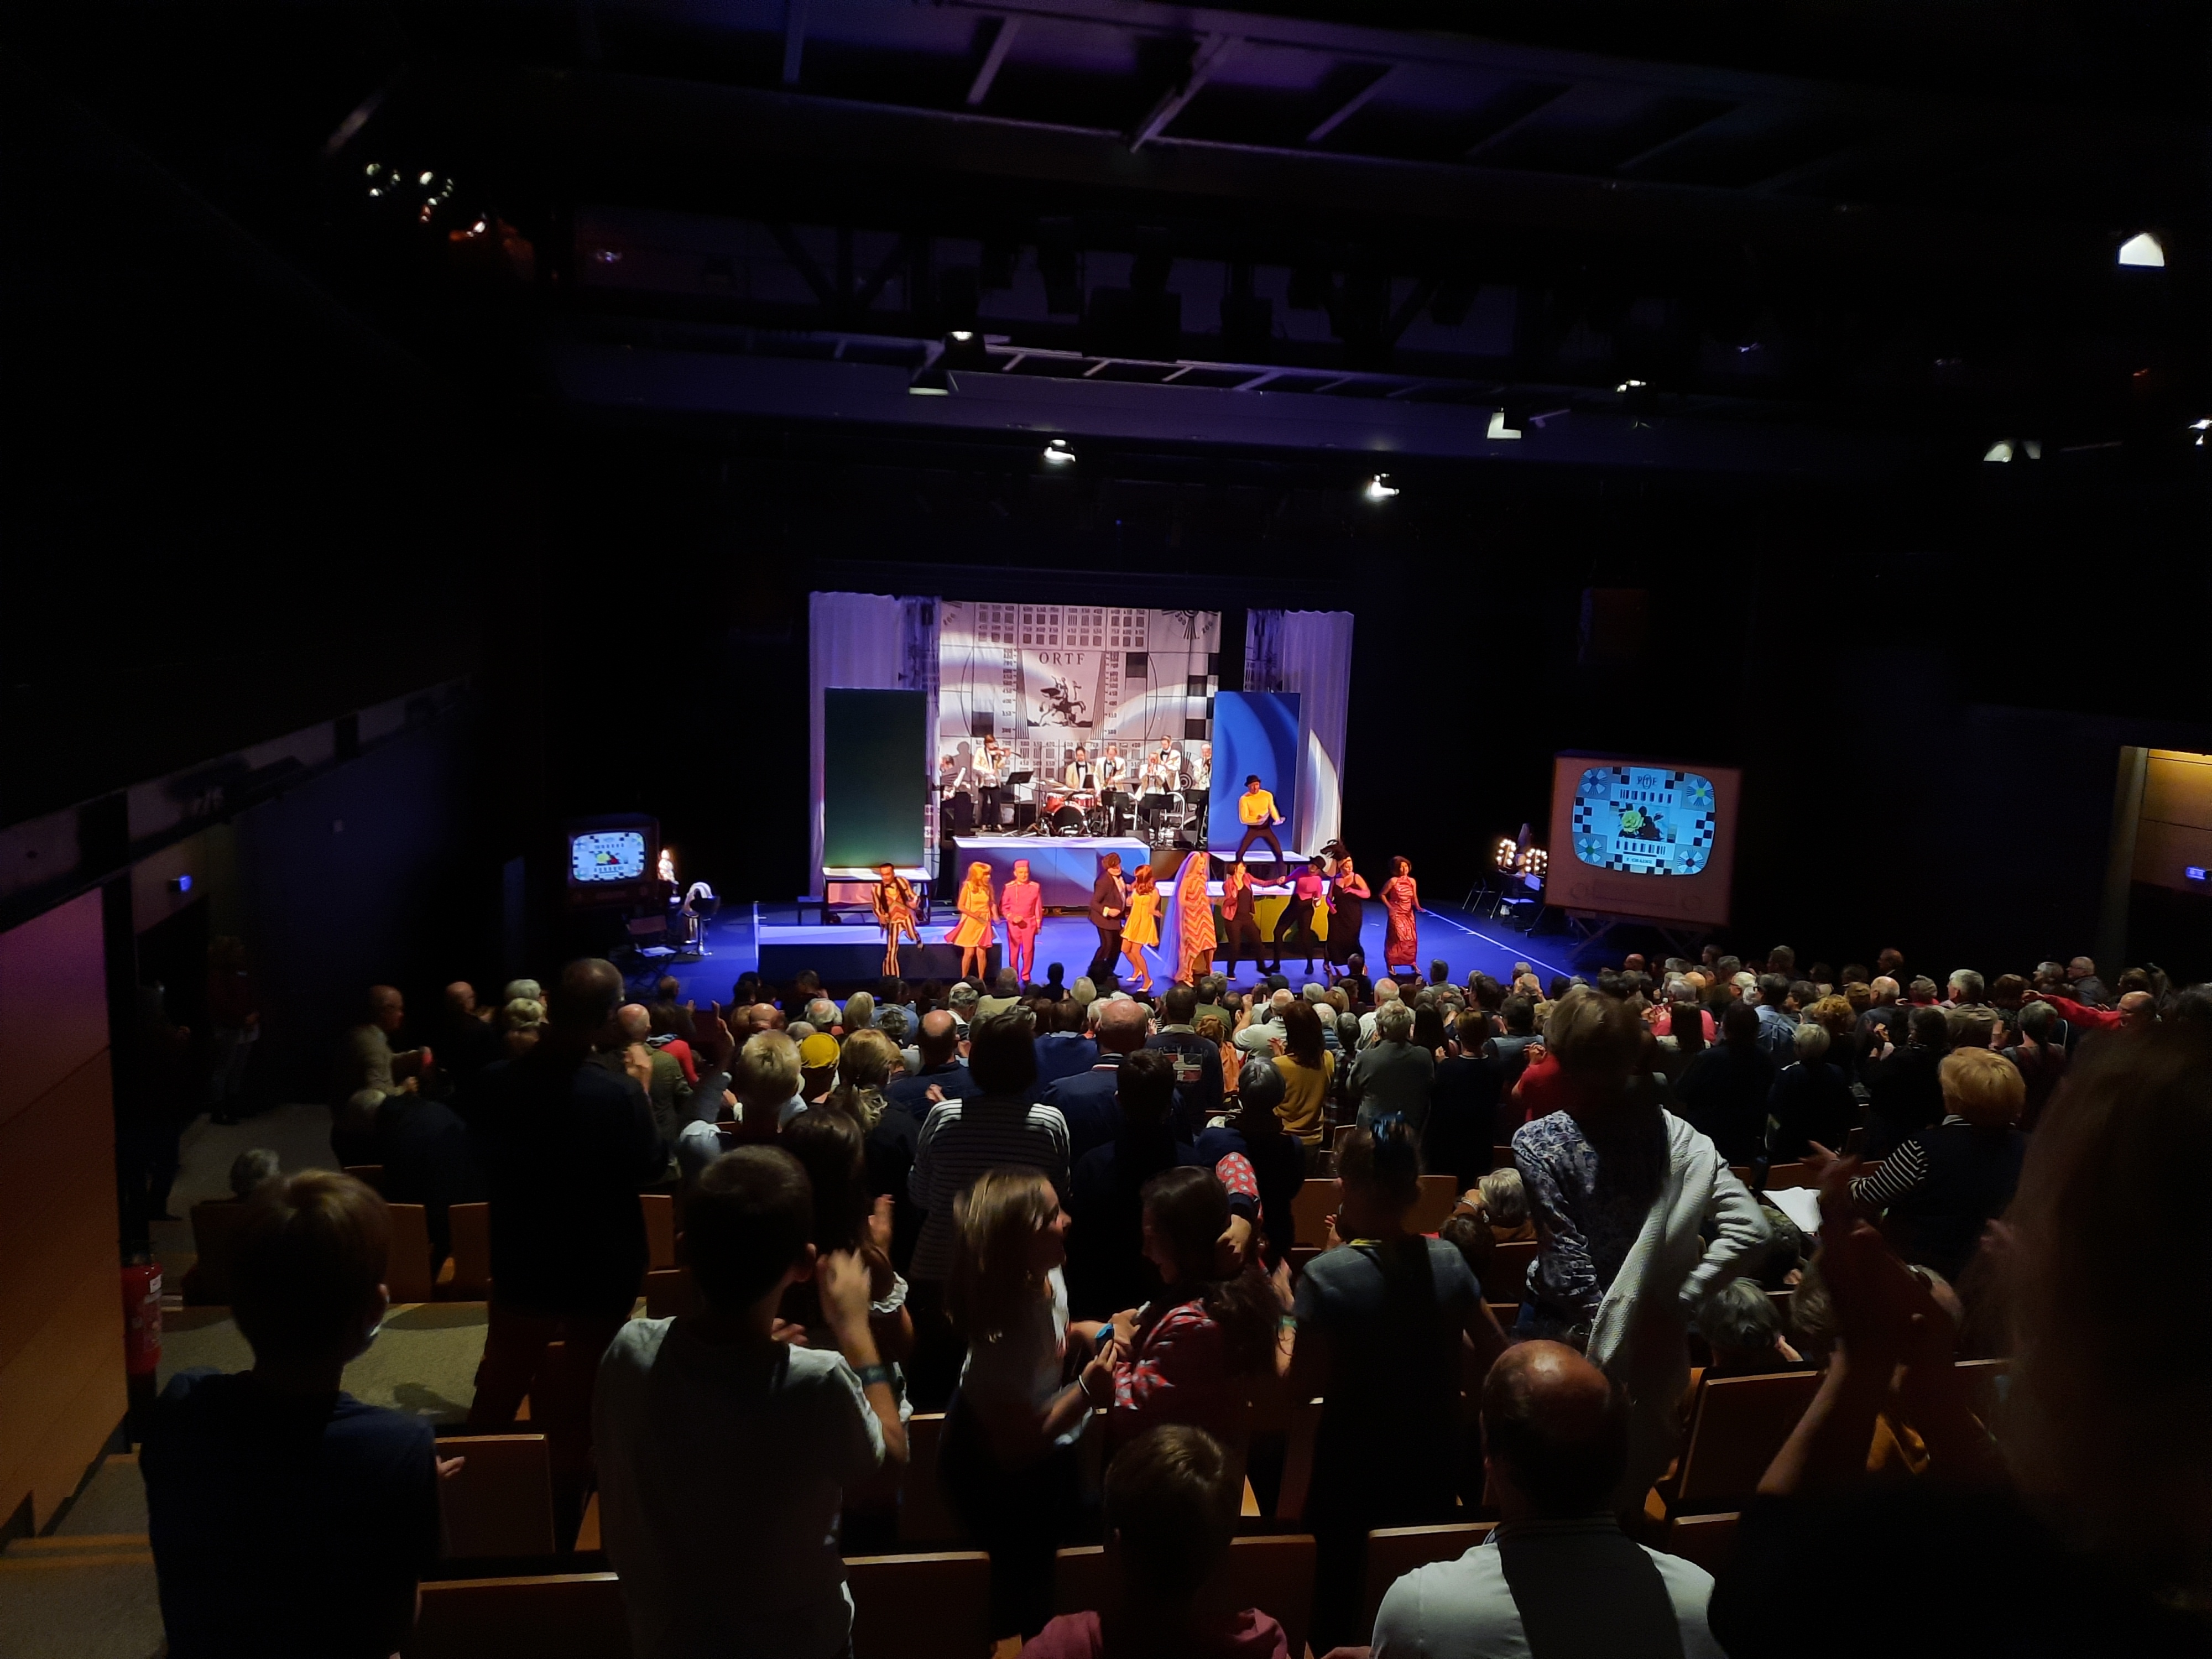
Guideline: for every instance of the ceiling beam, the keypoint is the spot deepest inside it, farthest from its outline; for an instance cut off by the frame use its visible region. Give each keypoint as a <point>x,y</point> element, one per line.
<point>994,58</point>
<point>1652,151</point>
<point>794,39</point>
<point>1215,52</point>
<point>1473,151</point>
<point>1351,106</point>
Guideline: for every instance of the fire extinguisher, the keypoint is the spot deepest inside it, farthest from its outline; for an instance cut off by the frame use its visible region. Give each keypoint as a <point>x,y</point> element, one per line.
<point>142,1316</point>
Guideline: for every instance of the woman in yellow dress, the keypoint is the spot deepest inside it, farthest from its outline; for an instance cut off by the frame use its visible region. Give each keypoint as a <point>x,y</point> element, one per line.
<point>979,914</point>
<point>1143,926</point>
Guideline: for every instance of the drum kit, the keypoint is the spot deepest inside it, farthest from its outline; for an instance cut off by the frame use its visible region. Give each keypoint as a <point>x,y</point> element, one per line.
<point>1073,812</point>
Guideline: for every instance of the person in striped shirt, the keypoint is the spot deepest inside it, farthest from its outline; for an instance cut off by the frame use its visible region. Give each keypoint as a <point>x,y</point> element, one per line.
<point>999,1128</point>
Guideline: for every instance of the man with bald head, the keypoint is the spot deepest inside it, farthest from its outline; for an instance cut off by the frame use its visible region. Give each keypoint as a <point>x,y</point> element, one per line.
<point>1557,1575</point>
<point>937,1045</point>
<point>565,1141</point>
<point>370,1062</point>
<point>667,1089</point>
<point>1087,1099</point>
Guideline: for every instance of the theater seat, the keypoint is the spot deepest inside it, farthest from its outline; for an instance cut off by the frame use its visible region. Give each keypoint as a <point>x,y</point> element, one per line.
<point>923,1517</point>
<point>1737,1424</point>
<point>407,1275</point>
<point>659,1229</point>
<point>1705,1538</point>
<point>1439,1193</point>
<point>570,1615</point>
<point>1310,1212</point>
<point>1273,1572</point>
<point>469,1228</point>
<point>668,1293</point>
<point>214,1222</point>
<point>1509,1269</point>
<point>1394,1552</point>
<point>1782,1176</point>
<point>921,1606</point>
<point>369,1175</point>
<point>1298,1461</point>
<point>500,1502</point>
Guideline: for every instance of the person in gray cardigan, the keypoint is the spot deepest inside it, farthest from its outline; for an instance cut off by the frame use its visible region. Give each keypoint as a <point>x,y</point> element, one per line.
<point>1392,1075</point>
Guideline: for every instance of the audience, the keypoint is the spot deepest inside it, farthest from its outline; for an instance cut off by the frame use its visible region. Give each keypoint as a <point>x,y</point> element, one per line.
<point>1277,1157</point>
<point>1811,1100</point>
<point>1107,1269</point>
<point>1392,1074</point>
<point>1308,1071</point>
<point>1086,1100</point>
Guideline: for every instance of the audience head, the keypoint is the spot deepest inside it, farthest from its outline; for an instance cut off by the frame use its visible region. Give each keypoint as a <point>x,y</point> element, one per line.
<point>250,1167</point>
<point>1922,991</point>
<point>1260,1088</point>
<point>1002,1051</point>
<point>1378,1171</point>
<point>963,1000</point>
<point>939,1041</point>
<point>1930,1029</point>
<point>1009,1232</point>
<point>1773,991</point>
<point>634,1022</point>
<point>307,1270</point>
<point>767,1075</point>
<point>1471,1236</point>
<point>1302,1034</point>
<point>461,998</point>
<point>1122,1023</point>
<point>867,1060</point>
<point>1966,986</point>
<point>859,1011</point>
<point>1595,1039</point>
<point>1504,1199</point>
<point>818,1064</point>
<point>2035,1021</point>
<point>747,1223</point>
<point>1810,1042</point>
<point>585,1000</point>
<point>1179,1005</point>
<point>1186,1211</point>
<point>1554,1433</point>
<point>829,1145</point>
<point>1520,1015</point>
<point>1143,1087</point>
<point>1742,1324</point>
<point>1885,990</point>
<point>1393,1022</point>
<point>1170,1510</point>
<point>1982,1086</point>
<point>387,1008</point>
<point>524,990</point>
<point>1006,983</point>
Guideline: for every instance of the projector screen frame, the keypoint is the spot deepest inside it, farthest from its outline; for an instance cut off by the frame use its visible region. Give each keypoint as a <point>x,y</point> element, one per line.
<point>1700,900</point>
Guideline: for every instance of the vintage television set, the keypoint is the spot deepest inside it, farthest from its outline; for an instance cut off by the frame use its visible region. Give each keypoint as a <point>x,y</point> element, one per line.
<point>1653,839</point>
<point>614,860</point>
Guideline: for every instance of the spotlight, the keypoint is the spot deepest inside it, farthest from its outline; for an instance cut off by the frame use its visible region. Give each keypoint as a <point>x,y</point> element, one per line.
<point>426,178</point>
<point>1999,451</point>
<point>1626,386</point>
<point>1380,488</point>
<point>2032,447</point>
<point>962,336</point>
<point>2143,249</point>
<point>374,167</point>
<point>963,348</point>
<point>1059,453</point>
<point>1506,853</point>
<point>1499,427</point>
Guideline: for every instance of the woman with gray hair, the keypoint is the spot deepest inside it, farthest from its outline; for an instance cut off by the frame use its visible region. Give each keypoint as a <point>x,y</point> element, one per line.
<point>1811,1099</point>
<point>1393,1075</point>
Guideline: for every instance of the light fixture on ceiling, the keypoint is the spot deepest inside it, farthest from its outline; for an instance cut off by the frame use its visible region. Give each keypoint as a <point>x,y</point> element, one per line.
<point>1626,386</point>
<point>1058,452</point>
<point>2143,249</point>
<point>1499,427</point>
<point>1380,488</point>
<point>2000,451</point>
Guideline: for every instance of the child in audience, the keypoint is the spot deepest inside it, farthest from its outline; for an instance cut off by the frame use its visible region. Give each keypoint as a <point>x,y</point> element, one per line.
<point>1171,1507</point>
<point>1744,1329</point>
<point>1007,1462</point>
<point>287,1517</point>
<point>724,1454</point>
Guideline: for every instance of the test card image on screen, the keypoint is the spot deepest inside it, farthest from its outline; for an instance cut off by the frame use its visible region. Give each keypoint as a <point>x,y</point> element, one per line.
<point>607,856</point>
<point>1643,820</point>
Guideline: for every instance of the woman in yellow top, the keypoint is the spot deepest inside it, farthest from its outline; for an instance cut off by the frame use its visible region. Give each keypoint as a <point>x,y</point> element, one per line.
<point>1308,1069</point>
<point>1142,926</point>
<point>979,915</point>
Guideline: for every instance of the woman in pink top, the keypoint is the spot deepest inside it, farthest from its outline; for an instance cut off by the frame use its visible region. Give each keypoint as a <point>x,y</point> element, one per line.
<point>1021,906</point>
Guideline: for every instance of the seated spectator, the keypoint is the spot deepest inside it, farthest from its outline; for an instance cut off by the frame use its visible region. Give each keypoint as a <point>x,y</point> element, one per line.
<point>1519,1013</point>
<point>1192,1353</point>
<point>1386,994</point>
<point>1557,1575</point>
<point>1006,1463</point>
<point>671,1016</point>
<point>942,1069</point>
<point>467,1044</point>
<point>2040,1058</point>
<point>997,1127</point>
<point>818,1067</point>
<point>2082,1527</point>
<point>424,1148</point>
<point>1006,992</point>
<point>1170,1512</point>
<point>1744,1329</point>
<point>1262,1028</point>
<point>370,1061</point>
<point>1309,1072</point>
<point>1064,1048</point>
<point>522,1021</point>
<point>1902,1093</point>
<point>1727,1092</point>
<point>767,1079</point>
<point>725,1456</point>
<point>1505,1206</point>
<point>1198,1062</point>
<point>1944,1185</point>
<point>668,1091</point>
<point>1463,1101</point>
<point>1107,1271</point>
<point>963,999</point>
<point>286,1517</point>
<point>1811,1100</point>
<point>859,1013</point>
<point>1466,1231</point>
<point>1086,1100</point>
<point>1391,1076</point>
<point>1382,1315</point>
<point>1277,1157</point>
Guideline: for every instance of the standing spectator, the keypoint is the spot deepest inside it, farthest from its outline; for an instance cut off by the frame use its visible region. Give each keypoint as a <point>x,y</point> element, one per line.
<point>939,1049</point>
<point>1557,1575</point>
<point>370,1062</point>
<point>665,1091</point>
<point>286,1517</point>
<point>1277,1157</point>
<point>1062,1047</point>
<point>1382,1316</point>
<point>1309,1074</point>
<point>465,1041</point>
<point>673,1018</point>
<point>1391,1076</point>
<point>890,1136</point>
<point>1464,1101</point>
<point>1007,1459</point>
<point>1810,1102</point>
<point>233,1009</point>
<point>1903,1092</point>
<point>1106,1270</point>
<point>1777,1016</point>
<point>1170,1513</point>
<point>725,1456</point>
<point>564,1145</point>
<point>1198,1062</point>
<point>2040,1058</point>
<point>1086,1100</point>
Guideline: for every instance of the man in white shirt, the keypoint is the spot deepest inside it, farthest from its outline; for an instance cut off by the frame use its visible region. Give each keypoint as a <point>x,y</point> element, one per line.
<point>1555,1443</point>
<point>725,1456</point>
<point>1265,1028</point>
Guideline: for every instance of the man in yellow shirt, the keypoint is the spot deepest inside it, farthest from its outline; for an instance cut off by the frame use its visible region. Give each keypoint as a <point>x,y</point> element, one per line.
<point>1255,810</point>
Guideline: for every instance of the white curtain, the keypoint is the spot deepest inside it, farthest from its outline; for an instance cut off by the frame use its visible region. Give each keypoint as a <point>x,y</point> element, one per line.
<point>1308,651</point>
<point>871,642</point>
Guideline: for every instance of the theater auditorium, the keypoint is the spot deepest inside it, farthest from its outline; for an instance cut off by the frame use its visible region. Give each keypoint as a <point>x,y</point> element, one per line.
<point>1080,829</point>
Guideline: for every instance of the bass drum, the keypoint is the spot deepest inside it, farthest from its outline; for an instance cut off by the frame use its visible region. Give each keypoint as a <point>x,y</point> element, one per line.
<point>1098,821</point>
<point>1067,820</point>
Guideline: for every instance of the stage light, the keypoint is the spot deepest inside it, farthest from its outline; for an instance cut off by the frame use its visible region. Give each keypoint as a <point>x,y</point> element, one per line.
<point>1058,452</point>
<point>376,168</point>
<point>180,883</point>
<point>1999,451</point>
<point>1507,853</point>
<point>2145,250</point>
<point>424,179</point>
<point>1630,385</point>
<point>2032,447</point>
<point>1498,427</point>
<point>1380,488</point>
<point>962,336</point>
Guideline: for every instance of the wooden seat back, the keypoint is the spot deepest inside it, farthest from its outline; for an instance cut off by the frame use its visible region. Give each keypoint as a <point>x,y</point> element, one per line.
<point>407,1276</point>
<point>1501,1157</point>
<point>1439,1193</point>
<point>1703,1539</point>
<point>214,1223</point>
<point>921,1606</point>
<point>670,1293</point>
<point>1394,1552</point>
<point>1508,1271</point>
<point>1298,1461</point>
<point>1310,1212</point>
<point>924,1516</point>
<point>659,1229</point>
<point>500,1502</point>
<point>470,1228</point>
<point>369,1175</point>
<point>570,1615</point>
<point>1780,1176</point>
<point>1271,1571</point>
<point>1736,1425</point>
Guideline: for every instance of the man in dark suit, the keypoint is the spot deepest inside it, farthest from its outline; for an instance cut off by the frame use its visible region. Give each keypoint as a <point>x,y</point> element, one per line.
<point>1062,1049</point>
<point>941,1068</point>
<point>1086,1100</point>
<point>1108,908</point>
<point>1198,1062</point>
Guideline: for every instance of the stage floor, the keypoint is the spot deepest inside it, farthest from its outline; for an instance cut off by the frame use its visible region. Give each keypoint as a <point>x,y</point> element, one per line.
<point>1469,943</point>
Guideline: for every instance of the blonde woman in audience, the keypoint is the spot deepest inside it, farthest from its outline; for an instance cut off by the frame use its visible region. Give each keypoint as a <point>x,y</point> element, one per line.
<point>522,1022</point>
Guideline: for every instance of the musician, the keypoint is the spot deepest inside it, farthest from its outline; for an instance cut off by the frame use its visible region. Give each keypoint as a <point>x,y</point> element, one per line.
<point>1255,810</point>
<point>1113,776</point>
<point>1170,765</point>
<point>989,767</point>
<point>1080,774</point>
<point>1201,787</point>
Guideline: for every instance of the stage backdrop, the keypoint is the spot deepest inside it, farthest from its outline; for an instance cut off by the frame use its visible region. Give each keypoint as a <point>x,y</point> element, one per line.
<point>1309,653</point>
<point>1254,734</point>
<point>1042,678</point>
<point>872,641</point>
<point>875,787</point>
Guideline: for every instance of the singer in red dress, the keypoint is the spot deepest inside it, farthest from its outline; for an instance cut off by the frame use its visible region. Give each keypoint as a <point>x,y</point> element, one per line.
<point>1401,899</point>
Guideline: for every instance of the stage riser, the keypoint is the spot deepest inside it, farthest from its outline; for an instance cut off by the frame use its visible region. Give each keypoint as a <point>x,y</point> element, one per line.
<point>860,962</point>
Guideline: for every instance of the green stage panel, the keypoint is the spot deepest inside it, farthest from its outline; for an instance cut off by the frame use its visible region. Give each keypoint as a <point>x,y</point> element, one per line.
<point>875,786</point>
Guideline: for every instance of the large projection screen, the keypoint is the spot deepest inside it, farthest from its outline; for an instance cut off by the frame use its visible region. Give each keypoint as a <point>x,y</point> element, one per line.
<point>1648,839</point>
<point>874,796</point>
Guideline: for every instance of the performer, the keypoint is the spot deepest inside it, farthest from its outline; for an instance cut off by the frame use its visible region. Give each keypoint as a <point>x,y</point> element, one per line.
<point>1080,773</point>
<point>1240,916</point>
<point>976,931</point>
<point>1142,926</point>
<point>1255,810</point>
<point>1202,787</point>
<point>989,767</point>
<point>1114,779</point>
<point>1194,911</point>
<point>1170,764</point>
<point>1295,926</point>
<point>1021,902</point>
<point>1110,903</point>
<point>894,900</point>
<point>1347,912</point>
<point>1402,939</point>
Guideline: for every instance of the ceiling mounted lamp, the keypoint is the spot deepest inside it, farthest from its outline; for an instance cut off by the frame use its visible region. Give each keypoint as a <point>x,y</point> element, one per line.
<point>1058,452</point>
<point>2143,250</point>
<point>1380,488</point>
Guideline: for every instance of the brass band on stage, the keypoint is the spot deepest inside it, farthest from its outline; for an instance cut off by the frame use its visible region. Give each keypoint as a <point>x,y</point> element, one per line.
<point>1159,794</point>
